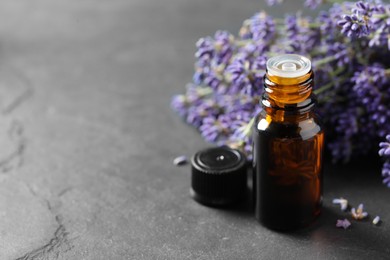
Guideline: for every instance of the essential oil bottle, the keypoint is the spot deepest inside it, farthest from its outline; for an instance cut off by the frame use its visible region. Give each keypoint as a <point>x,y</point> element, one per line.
<point>288,145</point>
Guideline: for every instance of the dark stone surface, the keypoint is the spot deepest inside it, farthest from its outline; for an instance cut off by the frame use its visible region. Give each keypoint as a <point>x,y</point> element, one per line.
<point>87,142</point>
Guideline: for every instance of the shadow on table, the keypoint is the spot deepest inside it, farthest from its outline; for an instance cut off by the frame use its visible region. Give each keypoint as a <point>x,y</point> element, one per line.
<point>323,234</point>
<point>362,236</point>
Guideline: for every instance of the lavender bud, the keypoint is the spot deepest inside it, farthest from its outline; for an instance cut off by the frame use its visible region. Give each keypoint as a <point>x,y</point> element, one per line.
<point>180,160</point>
<point>376,220</point>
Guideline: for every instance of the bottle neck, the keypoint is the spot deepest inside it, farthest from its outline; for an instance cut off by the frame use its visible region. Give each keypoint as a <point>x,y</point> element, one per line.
<point>288,98</point>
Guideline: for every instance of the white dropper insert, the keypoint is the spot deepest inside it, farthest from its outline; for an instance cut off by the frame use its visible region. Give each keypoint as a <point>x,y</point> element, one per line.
<point>288,66</point>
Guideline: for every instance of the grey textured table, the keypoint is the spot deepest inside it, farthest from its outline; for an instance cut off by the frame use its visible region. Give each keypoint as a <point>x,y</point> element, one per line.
<point>87,141</point>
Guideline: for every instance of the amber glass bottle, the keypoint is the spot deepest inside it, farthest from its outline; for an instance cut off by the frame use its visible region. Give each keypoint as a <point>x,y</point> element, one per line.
<point>288,143</point>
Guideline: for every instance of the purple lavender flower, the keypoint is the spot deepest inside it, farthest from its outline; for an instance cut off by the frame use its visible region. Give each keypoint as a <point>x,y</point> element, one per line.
<point>252,50</point>
<point>368,84</point>
<point>205,48</point>
<point>345,123</point>
<point>380,37</point>
<point>384,152</point>
<point>378,19</point>
<point>194,96</point>
<point>240,70</point>
<point>375,74</point>
<point>343,223</point>
<point>342,202</point>
<point>354,26</point>
<point>212,56</point>
<point>224,46</point>
<point>328,21</point>
<point>364,19</point>
<point>326,24</point>
<point>241,125</point>
<point>241,128</point>
<point>381,117</point>
<point>381,25</point>
<point>203,109</point>
<point>291,26</point>
<point>215,129</point>
<point>301,38</point>
<point>313,4</point>
<point>359,213</point>
<point>273,2</point>
<point>212,76</point>
<point>293,33</point>
<point>246,76</point>
<point>180,105</point>
<point>363,9</point>
<point>385,147</point>
<point>262,27</point>
<point>340,52</point>
<point>386,173</point>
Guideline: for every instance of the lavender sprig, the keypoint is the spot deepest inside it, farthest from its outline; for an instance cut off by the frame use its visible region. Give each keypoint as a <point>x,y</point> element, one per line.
<point>384,152</point>
<point>354,26</point>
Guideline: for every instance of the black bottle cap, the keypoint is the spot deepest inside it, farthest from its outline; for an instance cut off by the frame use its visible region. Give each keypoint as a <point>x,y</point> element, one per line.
<point>218,176</point>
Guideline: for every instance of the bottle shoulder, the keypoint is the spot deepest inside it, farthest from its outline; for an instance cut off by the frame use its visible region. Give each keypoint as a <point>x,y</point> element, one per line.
<point>302,128</point>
